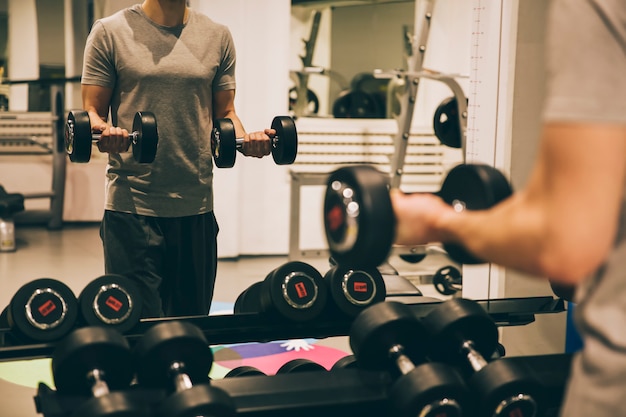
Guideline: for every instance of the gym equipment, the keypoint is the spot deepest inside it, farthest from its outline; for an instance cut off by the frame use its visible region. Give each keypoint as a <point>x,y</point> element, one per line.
<point>176,355</point>
<point>448,280</point>
<point>347,362</point>
<point>354,104</point>
<point>79,138</point>
<point>244,370</point>
<point>112,301</point>
<point>224,144</point>
<point>388,336</point>
<point>446,123</point>
<point>42,310</point>
<point>359,220</point>
<point>462,333</point>
<point>295,291</point>
<point>299,365</point>
<point>97,362</point>
<point>353,289</point>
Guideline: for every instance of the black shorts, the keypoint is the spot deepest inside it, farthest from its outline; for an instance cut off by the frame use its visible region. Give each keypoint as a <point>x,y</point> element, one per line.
<point>173,259</point>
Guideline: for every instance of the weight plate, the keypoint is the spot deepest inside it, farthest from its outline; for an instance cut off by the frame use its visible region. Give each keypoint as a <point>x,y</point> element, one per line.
<point>42,310</point>
<point>354,289</point>
<point>113,404</point>
<point>358,216</point>
<point>312,104</point>
<point>380,327</point>
<point>446,123</point>
<point>472,187</point>
<point>447,280</point>
<point>169,342</point>
<point>87,349</point>
<point>347,362</point>
<point>249,300</point>
<point>243,371</point>
<point>78,136</point>
<point>285,144</point>
<point>295,290</point>
<point>299,365</point>
<point>147,139</point>
<point>112,301</point>
<point>356,105</point>
<point>223,143</point>
<point>456,321</point>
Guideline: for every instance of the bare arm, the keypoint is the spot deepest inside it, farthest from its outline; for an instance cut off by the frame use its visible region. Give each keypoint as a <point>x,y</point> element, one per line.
<point>96,101</point>
<point>561,225</point>
<point>255,144</point>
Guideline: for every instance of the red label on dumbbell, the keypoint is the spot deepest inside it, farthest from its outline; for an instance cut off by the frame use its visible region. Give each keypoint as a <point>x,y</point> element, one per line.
<point>360,286</point>
<point>46,308</point>
<point>113,303</point>
<point>335,218</point>
<point>301,290</point>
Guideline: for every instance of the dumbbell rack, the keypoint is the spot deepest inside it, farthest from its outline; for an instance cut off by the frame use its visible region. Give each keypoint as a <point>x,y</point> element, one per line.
<point>339,392</point>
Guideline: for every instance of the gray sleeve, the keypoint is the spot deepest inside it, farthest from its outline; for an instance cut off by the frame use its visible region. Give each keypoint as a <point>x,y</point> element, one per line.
<point>586,61</point>
<point>225,76</point>
<point>98,62</point>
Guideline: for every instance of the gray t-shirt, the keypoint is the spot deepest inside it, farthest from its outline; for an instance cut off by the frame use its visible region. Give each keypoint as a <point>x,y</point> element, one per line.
<point>587,83</point>
<point>171,72</point>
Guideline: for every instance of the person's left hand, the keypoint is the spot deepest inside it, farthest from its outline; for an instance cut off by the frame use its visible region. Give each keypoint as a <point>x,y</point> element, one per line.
<point>258,144</point>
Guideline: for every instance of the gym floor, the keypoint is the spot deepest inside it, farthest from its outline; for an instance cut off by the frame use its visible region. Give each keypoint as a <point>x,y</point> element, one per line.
<point>74,256</point>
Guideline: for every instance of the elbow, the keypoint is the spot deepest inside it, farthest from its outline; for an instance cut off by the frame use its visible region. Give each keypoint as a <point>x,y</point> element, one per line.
<point>570,263</point>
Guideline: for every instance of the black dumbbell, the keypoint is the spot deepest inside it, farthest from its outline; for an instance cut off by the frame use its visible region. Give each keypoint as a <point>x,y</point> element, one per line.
<point>295,291</point>
<point>462,333</point>
<point>111,301</point>
<point>42,310</point>
<point>446,123</point>
<point>389,337</point>
<point>448,280</point>
<point>176,355</point>
<point>224,142</point>
<point>359,220</point>
<point>244,370</point>
<point>347,362</point>
<point>299,365</point>
<point>97,362</point>
<point>79,138</point>
<point>353,289</point>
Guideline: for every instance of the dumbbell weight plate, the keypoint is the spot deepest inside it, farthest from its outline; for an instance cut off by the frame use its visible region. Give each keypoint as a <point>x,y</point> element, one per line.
<point>145,145</point>
<point>249,300</point>
<point>300,365</point>
<point>169,342</point>
<point>381,326</point>
<point>43,310</point>
<point>472,187</point>
<point>359,225</point>
<point>78,139</point>
<point>446,123</point>
<point>91,348</point>
<point>354,289</point>
<point>112,301</point>
<point>243,370</point>
<point>347,362</point>
<point>223,143</point>
<point>446,278</point>
<point>113,404</point>
<point>199,400</point>
<point>295,290</point>
<point>285,147</point>
<point>454,321</point>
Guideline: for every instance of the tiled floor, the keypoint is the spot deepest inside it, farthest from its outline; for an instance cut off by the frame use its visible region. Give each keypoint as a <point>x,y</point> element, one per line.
<point>74,256</point>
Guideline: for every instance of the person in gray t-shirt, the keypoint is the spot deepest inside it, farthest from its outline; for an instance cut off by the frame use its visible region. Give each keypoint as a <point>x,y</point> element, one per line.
<point>569,221</point>
<point>158,226</point>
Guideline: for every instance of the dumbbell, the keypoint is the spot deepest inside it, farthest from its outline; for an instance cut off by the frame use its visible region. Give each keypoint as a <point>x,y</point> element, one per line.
<point>359,221</point>
<point>224,144</point>
<point>79,138</point>
<point>42,310</point>
<point>176,355</point>
<point>463,334</point>
<point>295,291</point>
<point>448,280</point>
<point>112,301</point>
<point>244,370</point>
<point>353,289</point>
<point>347,362</point>
<point>389,337</point>
<point>97,362</point>
<point>299,365</point>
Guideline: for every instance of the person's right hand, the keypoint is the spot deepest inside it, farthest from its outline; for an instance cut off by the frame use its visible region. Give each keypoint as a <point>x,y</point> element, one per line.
<point>112,139</point>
